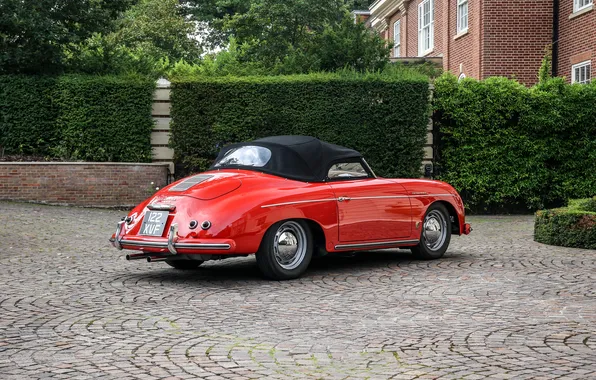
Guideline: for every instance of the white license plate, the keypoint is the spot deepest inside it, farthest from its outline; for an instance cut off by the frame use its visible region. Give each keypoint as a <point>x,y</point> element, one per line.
<point>154,223</point>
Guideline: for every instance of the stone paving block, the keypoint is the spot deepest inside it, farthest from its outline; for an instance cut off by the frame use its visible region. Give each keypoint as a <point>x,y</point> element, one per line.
<point>498,305</point>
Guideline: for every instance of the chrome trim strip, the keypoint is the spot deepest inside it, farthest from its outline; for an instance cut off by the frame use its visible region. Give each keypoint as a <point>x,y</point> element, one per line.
<point>341,199</point>
<point>204,246</point>
<point>377,244</point>
<point>298,202</point>
<point>402,196</point>
<point>381,197</point>
<point>157,244</point>
<point>152,244</point>
<point>431,195</point>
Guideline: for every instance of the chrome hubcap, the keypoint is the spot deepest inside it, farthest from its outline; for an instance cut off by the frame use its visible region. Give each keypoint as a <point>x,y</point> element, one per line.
<point>435,230</point>
<point>289,246</point>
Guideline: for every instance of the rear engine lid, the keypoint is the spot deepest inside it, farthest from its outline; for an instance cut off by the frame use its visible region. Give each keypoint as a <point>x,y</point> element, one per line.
<point>206,186</point>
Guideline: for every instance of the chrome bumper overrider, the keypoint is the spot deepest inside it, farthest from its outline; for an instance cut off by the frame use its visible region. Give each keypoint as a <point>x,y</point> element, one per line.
<point>171,245</point>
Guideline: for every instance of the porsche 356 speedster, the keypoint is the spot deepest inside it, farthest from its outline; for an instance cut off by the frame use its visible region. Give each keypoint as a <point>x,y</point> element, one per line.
<point>285,199</point>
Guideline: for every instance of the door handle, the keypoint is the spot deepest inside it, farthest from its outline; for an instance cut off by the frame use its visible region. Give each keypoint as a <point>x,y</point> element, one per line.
<point>341,199</point>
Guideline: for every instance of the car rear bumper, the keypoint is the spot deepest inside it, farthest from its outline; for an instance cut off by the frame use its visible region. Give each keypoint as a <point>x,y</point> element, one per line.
<point>173,244</point>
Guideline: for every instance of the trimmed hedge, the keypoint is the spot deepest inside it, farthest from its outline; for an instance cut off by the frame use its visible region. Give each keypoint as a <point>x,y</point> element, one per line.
<point>105,118</point>
<point>383,117</point>
<point>27,114</point>
<point>88,118</point>
<point>506,147</point>
<point>572,226</point>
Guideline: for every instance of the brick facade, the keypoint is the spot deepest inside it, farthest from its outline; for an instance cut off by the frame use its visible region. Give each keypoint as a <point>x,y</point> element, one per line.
<point>80,184</point>
<point>577,38</point>
<point>515,34</point>
<point>504,37</point>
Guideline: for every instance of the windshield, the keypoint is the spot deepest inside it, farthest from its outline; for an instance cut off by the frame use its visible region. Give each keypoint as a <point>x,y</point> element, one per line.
<point>256,156</point>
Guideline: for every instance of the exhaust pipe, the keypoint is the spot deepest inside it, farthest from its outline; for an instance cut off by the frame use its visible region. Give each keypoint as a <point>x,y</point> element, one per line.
<point>136,256</point>
<point>155,259</point>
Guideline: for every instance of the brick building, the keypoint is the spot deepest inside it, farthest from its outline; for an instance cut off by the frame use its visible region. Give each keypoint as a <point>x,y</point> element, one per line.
<point>482,38</point>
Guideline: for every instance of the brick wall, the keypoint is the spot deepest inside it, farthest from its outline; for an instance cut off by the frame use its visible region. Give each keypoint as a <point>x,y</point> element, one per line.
<point>515,35</point>
<point>412,28</point>
<point>80,184</point>
<point>504,38</point>
<point>577,38</point>
<point>464,48</point>
<point>457,51</point>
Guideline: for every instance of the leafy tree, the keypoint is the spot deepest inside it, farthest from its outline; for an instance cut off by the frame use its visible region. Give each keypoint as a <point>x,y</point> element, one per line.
<point>210,15</point>
<point>33,33</point>
<point>146,39</point>
<point>158,28</point>
<point>358,5</point>
<point>305,35</point>
<point>351,45</point>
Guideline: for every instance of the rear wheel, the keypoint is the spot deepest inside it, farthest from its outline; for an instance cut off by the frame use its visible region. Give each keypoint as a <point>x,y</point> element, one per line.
<point>435,235</point>
<point>286,250</point>
<point>184,264</point>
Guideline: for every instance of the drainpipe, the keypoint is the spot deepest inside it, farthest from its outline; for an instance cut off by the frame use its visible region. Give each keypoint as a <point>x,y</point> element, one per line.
<point>555,44</point>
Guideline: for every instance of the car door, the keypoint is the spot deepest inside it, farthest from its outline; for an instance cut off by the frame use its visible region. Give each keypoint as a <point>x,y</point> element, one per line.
<point>369,208</point>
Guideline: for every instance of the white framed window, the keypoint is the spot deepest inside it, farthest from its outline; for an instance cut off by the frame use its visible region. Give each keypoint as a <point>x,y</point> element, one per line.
<point>397,39</point>
<point>578,5</point>
<point>462,16</point>
<point>426,21</point>
<point>581,72</point>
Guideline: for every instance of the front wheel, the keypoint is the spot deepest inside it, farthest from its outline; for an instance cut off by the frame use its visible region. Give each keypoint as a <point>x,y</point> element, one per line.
<point>286,250</point>
<point>435,235</point>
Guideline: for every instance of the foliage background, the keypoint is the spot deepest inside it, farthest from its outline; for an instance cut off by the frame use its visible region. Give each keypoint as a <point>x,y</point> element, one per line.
<point>89,118</point>
<point>506,147</point>
<point>384,117</point>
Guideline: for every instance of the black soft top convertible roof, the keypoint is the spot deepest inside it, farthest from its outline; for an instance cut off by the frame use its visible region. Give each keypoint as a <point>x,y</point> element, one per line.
<point>303,158</point>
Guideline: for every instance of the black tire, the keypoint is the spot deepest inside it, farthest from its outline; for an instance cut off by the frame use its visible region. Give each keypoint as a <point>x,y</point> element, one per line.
<point>184,264</point>
<point>431,249</point>
<point>278,265</point>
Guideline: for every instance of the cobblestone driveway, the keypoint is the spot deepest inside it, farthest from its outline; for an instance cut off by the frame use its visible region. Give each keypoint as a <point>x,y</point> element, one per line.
<point>498,305</point>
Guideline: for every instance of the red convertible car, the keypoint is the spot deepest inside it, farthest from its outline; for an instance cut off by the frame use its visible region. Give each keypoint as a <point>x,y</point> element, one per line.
<point>286,198</point>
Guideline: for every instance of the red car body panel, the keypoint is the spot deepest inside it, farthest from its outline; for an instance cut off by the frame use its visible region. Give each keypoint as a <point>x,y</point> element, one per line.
<point>242,204</point>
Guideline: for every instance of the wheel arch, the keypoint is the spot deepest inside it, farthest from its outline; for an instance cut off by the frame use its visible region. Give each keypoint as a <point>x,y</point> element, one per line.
<point>318,234</point>
<point>453,216</point>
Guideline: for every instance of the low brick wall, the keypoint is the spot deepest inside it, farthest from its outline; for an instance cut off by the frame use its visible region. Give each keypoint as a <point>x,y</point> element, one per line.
<point>103,184</point>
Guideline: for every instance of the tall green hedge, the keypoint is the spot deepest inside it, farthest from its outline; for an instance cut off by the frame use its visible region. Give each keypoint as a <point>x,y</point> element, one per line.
<point>90,118</point>
<point>506,147</point>
<point>384,117</point>
<point>27,114</point>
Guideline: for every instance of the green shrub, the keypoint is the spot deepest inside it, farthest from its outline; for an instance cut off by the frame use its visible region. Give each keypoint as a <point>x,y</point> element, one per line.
<point>89,118</point>
<point>104,118</point>
<point>572,226</point>
<point>506,147</point>
<point>384,117</point>
<point>27,114</point>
